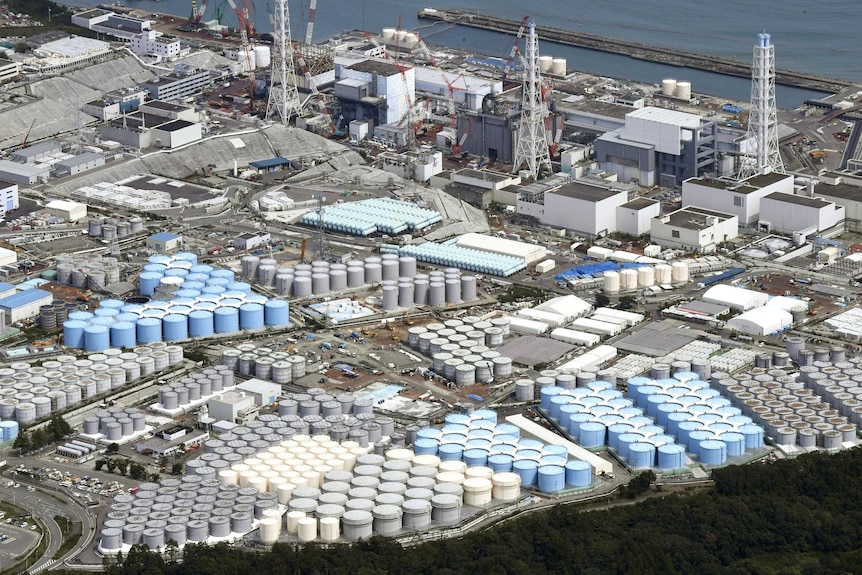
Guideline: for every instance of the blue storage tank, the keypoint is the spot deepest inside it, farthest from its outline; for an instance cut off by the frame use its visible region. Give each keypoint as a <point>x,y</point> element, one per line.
<point>159,259</point>
<point>201,323</point>
<point>226,319</point>
<point>251,316</point>
<point>425,446</point>
<point>149,281</point>
<point>591,434</point>
<point>175,326</point>
<point>614,433</point>
<point>533,454</point>
<point>149,329</point>
<point>753,436</point>
<point>81,316</point>
<point>547,393</point>
<point>712,452</point>
<point>187,292</point>
<point>456,438</point>
<point>213,290</point>
<point>695,438</point>
<point>455,428</point>
<point>625,441</point>
<point>500,462</point>
<point>528,471</point>
<point>123,334</point>
<point>181,309</point>
<point>176,273</point>
<point>685,428</point>
<point>556,403</point>
<point>484,414</point>
<point>671,456</point>
<point>230,302</point>
<point>276,312</point>
<point>218,282</point>
<point>222,273</point>
<point>429,433</point>
<point>195,281</point>
<point>155,268</point>
<point>450,451</point>
<point>126,316</point>
<point>478,444</point>
<point>132,308</point>
<point>457,419</point>
<point>487,434</point>
<point>96,338</point>
<point>506,439</point>
<point>575,423</point>
<point>735,443</point>
<point>8,430</point>
<point>579,473</point>
<point>104,320</point>
<point>566,413</point>
<point>641,455</point>
<point>475,457</point>
<point>552,478</point>
<point>664,410</point>
<point>507,429</point>
<point>73,333</point>
<point>186,257</point>
<point>242,287</point>
<point>202,269</point>
<point>112,304</point>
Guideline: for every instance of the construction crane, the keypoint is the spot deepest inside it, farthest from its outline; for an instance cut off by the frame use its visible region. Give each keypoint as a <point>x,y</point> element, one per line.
<point>27,135</point>
<point>514,51</point>
<point>459,145</point>
<point>453,116</point>
<point>315,93</point>
<point>245,46</point>
<point>423,48</point>
<point>402,68</point>
<point>309,30</point>
<point>197,15</point>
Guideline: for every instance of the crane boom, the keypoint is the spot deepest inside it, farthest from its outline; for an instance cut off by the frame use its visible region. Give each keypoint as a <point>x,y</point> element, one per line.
<point>309,31</point>
<point>514,51</point>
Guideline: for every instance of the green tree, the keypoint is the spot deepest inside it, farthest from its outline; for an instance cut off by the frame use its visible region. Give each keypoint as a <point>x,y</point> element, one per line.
<point>137,471</point>
<point>100,463</point>
<point>155,477</point>
<point>23,443</point>
<point>20,47</point>
<point>602,300</point>
<point>39,439</point>
<point>111,465</point>
<point>177,468</point>
<point>123,466</point>
<point>112,449</point>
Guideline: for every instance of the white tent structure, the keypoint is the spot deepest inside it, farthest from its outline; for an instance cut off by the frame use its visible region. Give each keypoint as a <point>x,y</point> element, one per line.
<point>734,297</point>
<point>762,321</point>
<point>790,304</point>
<point>570,306</point>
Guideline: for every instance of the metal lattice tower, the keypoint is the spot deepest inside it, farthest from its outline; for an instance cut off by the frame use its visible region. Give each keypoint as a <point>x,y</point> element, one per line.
<point>531,147</point>
<point>283,96</point>
<point>763,156</point>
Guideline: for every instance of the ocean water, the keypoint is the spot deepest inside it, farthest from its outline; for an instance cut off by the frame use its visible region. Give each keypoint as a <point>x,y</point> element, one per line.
<point>821,39</point>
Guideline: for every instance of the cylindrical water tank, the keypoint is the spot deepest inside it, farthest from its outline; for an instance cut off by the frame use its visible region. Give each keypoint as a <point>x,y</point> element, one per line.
<point>683,90</point>
<point>611,282</point>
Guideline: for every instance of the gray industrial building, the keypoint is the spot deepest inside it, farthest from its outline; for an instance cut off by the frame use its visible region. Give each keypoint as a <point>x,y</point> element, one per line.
<point>490,133</point>
<point>78,164</point>
<point>36,152</point>
<point>184,81</point>
<point>23,173</point>
<point>658,146</point>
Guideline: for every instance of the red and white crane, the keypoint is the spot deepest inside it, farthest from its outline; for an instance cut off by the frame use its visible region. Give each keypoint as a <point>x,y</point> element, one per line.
<point>309,30</point>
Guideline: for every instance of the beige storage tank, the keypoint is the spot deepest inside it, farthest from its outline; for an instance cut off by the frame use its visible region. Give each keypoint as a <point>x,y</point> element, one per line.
<point>611,282</point>
<point>306,529</point>
<point>646,276</point>
<point>628,279</point>
<point>668,87</point>
<point>477,491</point>
<point>546,64</point>
<point>269,530</point>
<point>559,67</point>
<point>662,274</point>
<point>389,34</point>
<point>261,56</point>
<point>680,272</point>
<point>683,90</point>
<point>506,486</point>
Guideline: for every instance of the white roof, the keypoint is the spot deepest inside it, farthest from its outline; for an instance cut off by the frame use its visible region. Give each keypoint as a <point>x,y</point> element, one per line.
<point>547,317</point>
<point>734,297</point>
<point>665,116</point>
<point>460,82</point>
<point>787,303</point>
<point>529,326</point>
<point>570,306</point>
<point>528,252</point>
<point>762,321</point>
<point>65,205</point>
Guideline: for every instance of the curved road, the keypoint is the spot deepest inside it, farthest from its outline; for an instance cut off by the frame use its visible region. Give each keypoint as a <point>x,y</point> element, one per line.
<point>43,505</point>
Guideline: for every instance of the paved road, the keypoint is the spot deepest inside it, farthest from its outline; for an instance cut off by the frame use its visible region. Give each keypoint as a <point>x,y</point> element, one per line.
<point>44,506</point>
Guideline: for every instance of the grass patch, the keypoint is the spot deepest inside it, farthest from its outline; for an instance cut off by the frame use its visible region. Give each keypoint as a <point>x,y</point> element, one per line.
<point>73,531</point>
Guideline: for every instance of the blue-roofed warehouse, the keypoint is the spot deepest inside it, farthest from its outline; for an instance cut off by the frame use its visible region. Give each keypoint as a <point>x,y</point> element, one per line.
<point>165,242</point>
<point>6,289</point>
<point>25,304</point>
<point>270,165</point>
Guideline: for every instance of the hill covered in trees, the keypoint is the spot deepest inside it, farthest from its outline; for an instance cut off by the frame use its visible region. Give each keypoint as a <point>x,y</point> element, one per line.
<point>791,516</point>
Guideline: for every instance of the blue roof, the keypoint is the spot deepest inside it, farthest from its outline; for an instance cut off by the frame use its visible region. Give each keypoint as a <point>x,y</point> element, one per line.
<point>271,163</point>
<point>4,287</point>
<point>25,297</point>
<point>164,237</point>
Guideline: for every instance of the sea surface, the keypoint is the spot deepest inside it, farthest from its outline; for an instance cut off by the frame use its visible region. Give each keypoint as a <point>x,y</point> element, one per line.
<point>821,38</point>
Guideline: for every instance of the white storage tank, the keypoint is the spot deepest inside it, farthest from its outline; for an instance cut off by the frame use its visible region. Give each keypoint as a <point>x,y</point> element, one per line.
<point>680,272</point>
<point>262,56</point>
<point>545,64</point>
<point>559,67</point>
<point>611,282</point>
<point>683,90</point>
<point>646,276</point>
<point>668,87</point>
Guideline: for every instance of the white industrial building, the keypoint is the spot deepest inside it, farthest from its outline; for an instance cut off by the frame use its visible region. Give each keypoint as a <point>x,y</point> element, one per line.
<point>530,253</point>
<point>71,51</point>
<point>150,42</point>
<point>693,228</point>
<point>788,213</point>
<point>658,146</point>
<point>789,304</point>
<point>8,197</point>
<point>184,81</point>
<point>263,392</point>
<point>479,187</point>
<point>584,208</point>
<point>69,211</point>
<point>739,198</point>
<point>231,406</point>
<point>8,257</point>
<point>24,304</point>
<point>164,242</point>
<point>375,90</point>
<point>175,134</point>
<point>569,306</point>
<point>635,217</point>
<point>251,241</point>
<point>734,297</point>
<point>844,191</point>
<point>169,110</point>
<point>467,91</point>
<point>762,321</point>
<point>9,70</point>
